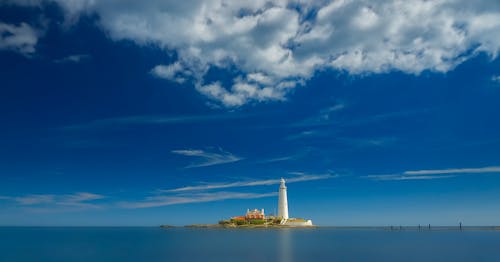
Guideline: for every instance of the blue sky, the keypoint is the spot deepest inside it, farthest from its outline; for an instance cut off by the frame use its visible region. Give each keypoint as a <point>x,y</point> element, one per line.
<point>178,113</point>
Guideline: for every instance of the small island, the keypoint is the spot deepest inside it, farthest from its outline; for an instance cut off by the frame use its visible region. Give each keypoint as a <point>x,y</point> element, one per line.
<point>257,219</point>
<point>270,221</point>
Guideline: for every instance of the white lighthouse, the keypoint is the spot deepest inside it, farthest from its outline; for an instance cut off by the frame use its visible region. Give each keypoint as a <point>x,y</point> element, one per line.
<point>282,202</point>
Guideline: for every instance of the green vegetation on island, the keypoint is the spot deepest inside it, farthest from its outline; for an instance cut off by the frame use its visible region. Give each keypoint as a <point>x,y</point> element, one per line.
<point>241,222</point>
<point>254,223</point>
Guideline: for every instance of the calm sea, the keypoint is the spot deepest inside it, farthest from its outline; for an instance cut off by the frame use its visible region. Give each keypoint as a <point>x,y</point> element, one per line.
<point>184,244</point>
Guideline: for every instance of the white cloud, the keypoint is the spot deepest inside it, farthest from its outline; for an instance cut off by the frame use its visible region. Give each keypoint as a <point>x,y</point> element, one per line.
<point>490,169</point>
<point>208,158</point>
<point>153,120</point>
<point>275,48</point>
<point>367,142</point>
<point>75,200</point>
<point>303,134</point>
<point>280,159</point>
<point>300,177</point>
<point>174,72</point>
<point>242,91</point>
<point>400,177</point>
<point>198,194</point>
<point>21,38</point>
<point>83,196</point>
<point>434,173</point>
<point>325,113</point>
<point>73,58</point>
<point>157,201</point>
<point>34,199</point>
<point>496,78</point>
<point>322,118</point>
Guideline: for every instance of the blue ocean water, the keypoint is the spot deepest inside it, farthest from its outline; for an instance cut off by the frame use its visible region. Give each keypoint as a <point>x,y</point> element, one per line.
<point>185,244</point>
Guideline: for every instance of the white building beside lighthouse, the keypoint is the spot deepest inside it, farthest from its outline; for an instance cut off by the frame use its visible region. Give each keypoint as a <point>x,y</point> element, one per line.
<point>283,209</point>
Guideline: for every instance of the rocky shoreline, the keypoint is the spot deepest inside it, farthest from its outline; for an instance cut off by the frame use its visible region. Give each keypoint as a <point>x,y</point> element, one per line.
<point>234,226</point>
<point>407,228</point>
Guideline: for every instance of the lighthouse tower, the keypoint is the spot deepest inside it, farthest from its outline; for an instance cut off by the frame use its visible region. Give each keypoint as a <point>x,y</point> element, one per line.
<point>282,202</point>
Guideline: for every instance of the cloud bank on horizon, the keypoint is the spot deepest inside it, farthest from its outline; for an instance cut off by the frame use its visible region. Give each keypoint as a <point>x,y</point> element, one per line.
<point>275,46</point>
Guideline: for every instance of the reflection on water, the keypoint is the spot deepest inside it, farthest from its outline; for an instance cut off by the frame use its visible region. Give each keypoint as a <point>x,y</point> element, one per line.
<point>285,245</point>
<point>243,245</point>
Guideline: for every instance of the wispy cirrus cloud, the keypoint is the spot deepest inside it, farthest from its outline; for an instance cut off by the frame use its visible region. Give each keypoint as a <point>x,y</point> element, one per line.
<point>362,142</point>
<point>205,192</point>
<point>400,177</point>
<point>157,201</point>
<point>321,126</point>
<point>323,117</point>
<point>429,174</point>
<point>75,200</point>
<point>280,159</point>
<point>299,177</point>
<point>208,158</point>
<point>151,120</point>
<point>33,199</point>
<point>183,195</point>
<point>387,116</point>
<point>302,134</point>
<point>302,153</point>
<point>489,169</point>
<point>223,185</point>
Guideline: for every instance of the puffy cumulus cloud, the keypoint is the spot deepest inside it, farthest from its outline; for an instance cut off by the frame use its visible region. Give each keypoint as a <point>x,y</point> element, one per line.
<point>174,72</point>
<point>276,45</point>
<point>21,38</point>
<point>243,91</point>
<point>410,36</point>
